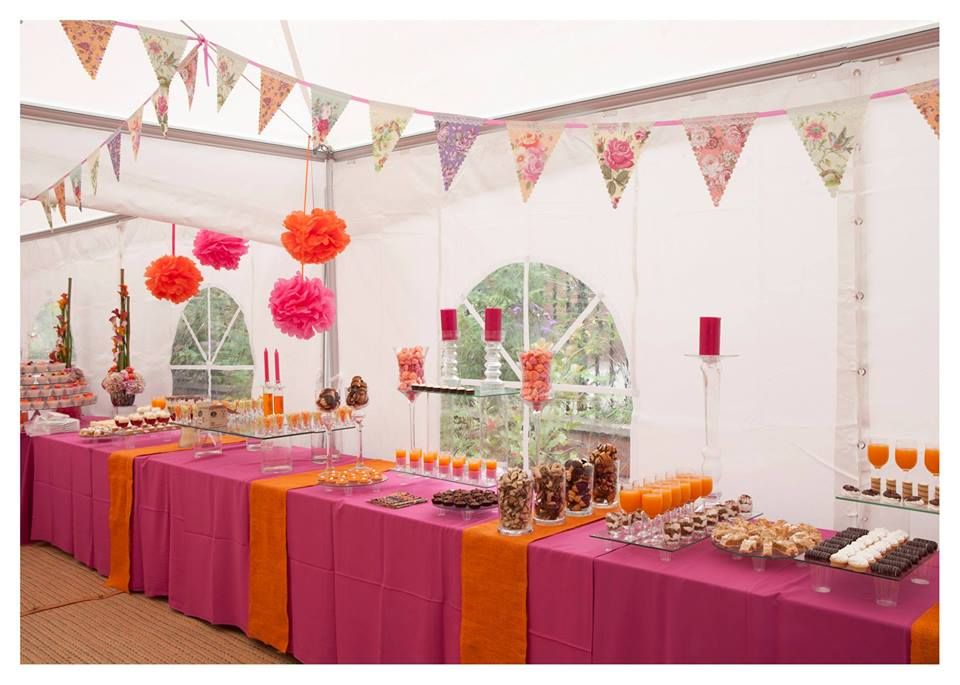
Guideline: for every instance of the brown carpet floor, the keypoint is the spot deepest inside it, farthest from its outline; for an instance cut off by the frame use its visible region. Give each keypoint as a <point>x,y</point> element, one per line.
<point>69,616</point>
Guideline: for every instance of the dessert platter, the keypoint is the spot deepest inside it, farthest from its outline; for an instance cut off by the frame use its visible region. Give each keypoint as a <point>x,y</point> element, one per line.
<point>762,538</point>
<point>467,502</point>
<point>878,552</point>
<point>144,421</point>
<point>51,385</point>
<point>397,500</point>
<point>905,497</point>
<point>353,477</point>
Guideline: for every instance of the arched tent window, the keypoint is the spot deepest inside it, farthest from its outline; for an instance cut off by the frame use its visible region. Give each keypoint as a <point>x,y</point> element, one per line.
<point>43,335</point>
<point>591,374</point>
<point>211,353</point>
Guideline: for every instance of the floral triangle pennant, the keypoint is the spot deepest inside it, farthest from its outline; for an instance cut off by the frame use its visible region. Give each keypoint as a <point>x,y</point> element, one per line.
<point>387,123</point>
<point>717,143</point>
<point>60,194</point>
<point>76,181</point>
<point>274,89</point>
<point>188,73</point>
<point>230,68</point>
<point>89,40</point>
<point>926,98</point>
<point>47,205</point>
<point>93,168</point>
<point>161,99</point>
<point>326,106</point>
<point>532,144</point>
<point>830,132</point>
<point>455,137</point>
<point>617,147</point>
<point>113,146</point>
<point>135,126</point>
<point>164,50</point>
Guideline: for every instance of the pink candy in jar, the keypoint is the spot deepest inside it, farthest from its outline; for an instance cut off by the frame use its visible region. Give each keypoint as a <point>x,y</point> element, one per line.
<point>535,388</point>
<point>410,365</point>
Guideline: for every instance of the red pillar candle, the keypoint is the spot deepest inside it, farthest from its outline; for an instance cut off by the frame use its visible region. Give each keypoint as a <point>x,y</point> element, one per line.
<point>493,324</point>
<point>709,335</point>
<point>448,324</point>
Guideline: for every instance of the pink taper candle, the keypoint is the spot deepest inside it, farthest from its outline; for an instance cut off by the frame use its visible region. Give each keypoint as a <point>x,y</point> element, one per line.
<point>266,366</point>
<point>276,364</point>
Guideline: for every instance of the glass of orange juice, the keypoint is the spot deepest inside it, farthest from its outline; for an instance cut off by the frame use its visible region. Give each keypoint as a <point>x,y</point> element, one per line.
<point>458,462</point>
<point>905,454</point>
<point>429,461</point>
<point>653,506</point>
<point>444,463</point>
<point>878,454</point>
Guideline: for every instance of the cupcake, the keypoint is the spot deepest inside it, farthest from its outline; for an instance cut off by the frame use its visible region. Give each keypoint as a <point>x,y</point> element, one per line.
<point>746,504</point>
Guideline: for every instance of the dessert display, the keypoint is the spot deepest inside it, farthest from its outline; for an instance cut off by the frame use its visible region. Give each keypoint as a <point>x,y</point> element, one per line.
<point>762,537</point>
<point>535,386</point>
<point>579,477</point>
<point>549,485</point>
<point>51,385</point>
<point>410,368</point>
<point>606,474</point>
<point>357,395</point>
<point>462,499</point>
<point>328,399</point>
<point>145,420</point>
<point>621,523</point>
<point>355,476</point>
<point>880,552</point>
<point>515,500</point>
<point>397,500</point>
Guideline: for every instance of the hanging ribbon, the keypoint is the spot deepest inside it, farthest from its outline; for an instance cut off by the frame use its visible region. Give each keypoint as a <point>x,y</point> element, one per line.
<point>206,56</point>
<point>173,239</point>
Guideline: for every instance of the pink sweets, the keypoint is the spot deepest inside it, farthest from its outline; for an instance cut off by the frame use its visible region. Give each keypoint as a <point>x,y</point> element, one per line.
<point>535,388</point>
<point>410,366</point>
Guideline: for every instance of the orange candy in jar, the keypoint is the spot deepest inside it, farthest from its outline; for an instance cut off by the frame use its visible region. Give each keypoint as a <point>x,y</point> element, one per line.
<point>410,366</point>
<point>535,387</point>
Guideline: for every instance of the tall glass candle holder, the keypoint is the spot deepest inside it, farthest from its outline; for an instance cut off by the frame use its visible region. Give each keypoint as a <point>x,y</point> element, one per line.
<point>493,345</point>
<point>449,373</point>
<point>712,466</point>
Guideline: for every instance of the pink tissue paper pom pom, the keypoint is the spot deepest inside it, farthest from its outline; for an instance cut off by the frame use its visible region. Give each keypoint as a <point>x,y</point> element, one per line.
<point>219,250</point>
<point>302,307</point>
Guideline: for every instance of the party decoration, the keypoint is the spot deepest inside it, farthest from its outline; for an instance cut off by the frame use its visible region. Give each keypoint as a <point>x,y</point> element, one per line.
<point>135,126</point>
<point>717,143</point>
<point>89,40</point>
<point>122,381</point>
<point>93,168</point>
<point>617,147</point>
<point>113,146</point>
<point>302,307</point>
<point>76,180</point>
<point>326,106</point>
<point>47,205</point>
<point>274,89</point>
<point>173,278</point>
<point>164,50</point>
<point>219,250</point>
<point>63,348</point>
<point>926,98</point>
<point>60,194</point>
<point>188,74</point>
<point>830,132</point>
<point>532,144</point>
<point>455,137</point>
<point>316,237</point>
<point>161,107</point>
<point>230,68</point>
<point>387,123</point>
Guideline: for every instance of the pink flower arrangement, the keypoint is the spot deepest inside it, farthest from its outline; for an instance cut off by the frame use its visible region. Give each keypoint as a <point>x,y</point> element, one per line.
<point>618,154</point>
<point>126,382</point>
<point>219,250</point>
<point>302,307</point>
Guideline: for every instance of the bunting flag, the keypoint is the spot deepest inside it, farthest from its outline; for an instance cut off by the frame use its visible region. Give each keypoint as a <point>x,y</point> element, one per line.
<point>188,73</point>
<point>160,107</point>
<point>230,68</point>
<point>113,145</point>
<point>617,147</point>
<point>45,202</point>
<point>89,40</point>
<point>76,180</point>
<point>326,106</point>
<point>387,123</point>
<point>830,132</point>
<point>60,194</point>
<point>135,126</point>
<point>274,89</point>
<point>93,168</point>
<point>532,144</point>
<point>926,98</point>
<point>455,136</point>
<point>717,143</point>
<point>164,50</point>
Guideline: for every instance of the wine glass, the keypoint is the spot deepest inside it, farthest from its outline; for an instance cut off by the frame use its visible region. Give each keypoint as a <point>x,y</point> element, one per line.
<point>410,363</point>
<point>905,454</point>
<point>931,459</point>
<point>878,454</point>
<point>630,500</point>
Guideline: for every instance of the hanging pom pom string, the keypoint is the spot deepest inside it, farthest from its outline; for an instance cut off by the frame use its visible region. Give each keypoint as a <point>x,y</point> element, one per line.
<point>173,278</point>
<point>306,175</point>
<point>302,307</point>
<point>173,239</point>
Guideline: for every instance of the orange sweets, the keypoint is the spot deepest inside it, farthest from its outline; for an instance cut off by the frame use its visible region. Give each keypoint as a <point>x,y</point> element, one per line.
<point>535,387</point>
<point>410,366</point>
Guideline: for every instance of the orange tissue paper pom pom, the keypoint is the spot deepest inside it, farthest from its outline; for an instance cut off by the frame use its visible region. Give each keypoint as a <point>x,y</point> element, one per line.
<point>173,278</point>
<point>316,237</point>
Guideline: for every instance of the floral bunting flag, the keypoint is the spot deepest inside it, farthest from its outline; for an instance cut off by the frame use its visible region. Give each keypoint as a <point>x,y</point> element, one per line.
<point>76,180</point>
<point>161,99</point>
<point>274,89</point>
<point>89,40</point>
<point>455,136</point>
<point>113,145</point>
<point>60,194</point>
<point>617,147</point>
<point>164,50</point>
<point>830,132</point>
<point>717,143</point>
<point>45,202</point>
<point>926,98</point>
<point>532,143</point>
<point>93,168</point>
<point>326,106</point>
<point>387,123</point>
<point>135,126</point>
<point>230,68</point>
<point>188,73</point>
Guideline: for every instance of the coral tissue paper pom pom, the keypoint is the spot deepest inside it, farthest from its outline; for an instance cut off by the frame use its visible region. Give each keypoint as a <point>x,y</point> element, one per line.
<point>173,278</point>
<point>302,307</point>
<point>316,237</point>
<point>219,250</point>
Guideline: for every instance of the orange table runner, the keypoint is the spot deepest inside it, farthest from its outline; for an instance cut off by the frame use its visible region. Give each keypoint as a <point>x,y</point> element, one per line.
<point>267,617</point>
<point>493,591</point>
<point>925,637</point>
<point>120,475</point>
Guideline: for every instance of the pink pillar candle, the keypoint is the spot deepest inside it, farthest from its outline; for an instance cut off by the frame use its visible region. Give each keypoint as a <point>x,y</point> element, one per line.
<point>493,324</point>
<point>709,335</point>
<point>448,324</point>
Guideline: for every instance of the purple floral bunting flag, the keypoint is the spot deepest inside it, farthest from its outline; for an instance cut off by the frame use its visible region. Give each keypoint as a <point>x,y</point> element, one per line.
<point>455,136</point>
<point>135,126</point>
<point>113,146</point>
<point>76,180</point>
<point>532,144</point>
<point>617,147</point>
<point>717,143</point>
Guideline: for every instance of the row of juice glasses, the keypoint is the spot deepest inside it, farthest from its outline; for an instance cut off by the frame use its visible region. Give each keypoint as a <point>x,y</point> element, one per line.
<point>447,465</point>
<point>662,497</point>
<point>252,421</point>
<point>905,455</point>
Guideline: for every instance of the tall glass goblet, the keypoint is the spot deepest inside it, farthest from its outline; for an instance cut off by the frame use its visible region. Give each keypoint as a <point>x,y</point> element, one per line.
<point>410,363</point>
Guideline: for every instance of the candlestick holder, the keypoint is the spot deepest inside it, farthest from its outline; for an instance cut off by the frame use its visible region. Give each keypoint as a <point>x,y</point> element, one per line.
<point>712,458</point>
<point>492,366</point>
<point>449,373</point>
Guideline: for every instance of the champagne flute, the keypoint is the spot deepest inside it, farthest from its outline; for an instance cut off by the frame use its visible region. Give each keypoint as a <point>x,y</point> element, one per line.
<point>878,453</point>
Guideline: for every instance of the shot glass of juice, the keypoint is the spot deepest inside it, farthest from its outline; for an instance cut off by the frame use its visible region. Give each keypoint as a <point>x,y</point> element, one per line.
<point>458,461</point>
<point>400,456</point>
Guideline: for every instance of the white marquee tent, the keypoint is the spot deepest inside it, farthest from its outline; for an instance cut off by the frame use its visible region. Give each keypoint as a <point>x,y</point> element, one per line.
<point>780,259</point>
